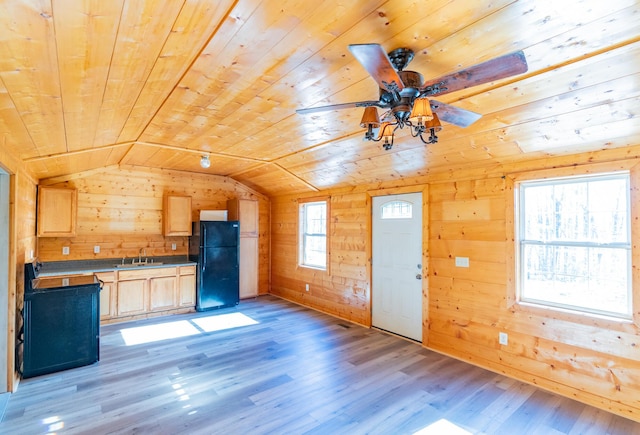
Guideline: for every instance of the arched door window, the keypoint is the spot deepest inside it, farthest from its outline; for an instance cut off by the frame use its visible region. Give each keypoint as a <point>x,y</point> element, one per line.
<point>397,210</point>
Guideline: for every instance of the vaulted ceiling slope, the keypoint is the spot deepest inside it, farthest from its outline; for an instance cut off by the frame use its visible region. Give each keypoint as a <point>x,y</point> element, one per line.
<point>89,84</point>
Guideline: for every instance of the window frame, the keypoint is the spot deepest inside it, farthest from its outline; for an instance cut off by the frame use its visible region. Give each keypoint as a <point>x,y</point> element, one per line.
<point>511,197</point>
<point>523,242</point>
<point>302,205</point>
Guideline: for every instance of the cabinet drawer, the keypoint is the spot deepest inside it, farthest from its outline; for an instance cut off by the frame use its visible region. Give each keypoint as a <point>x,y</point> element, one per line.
<point>151,272</point>
<point>187,270</point>
<point>106,276</point>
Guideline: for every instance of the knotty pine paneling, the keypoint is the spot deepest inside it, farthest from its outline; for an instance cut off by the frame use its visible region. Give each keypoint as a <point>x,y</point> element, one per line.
<point>343,289</point>
<point>120,210</point>
<point>469,307</point>
<point>22,245</point>
<point>592,360</point>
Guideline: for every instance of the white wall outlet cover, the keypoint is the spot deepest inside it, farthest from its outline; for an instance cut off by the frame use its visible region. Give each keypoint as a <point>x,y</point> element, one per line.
<point>503,338</point>
<point>65,250</point>
<point>96,249</point>
<point>462,261</point>
<point>173,246</point>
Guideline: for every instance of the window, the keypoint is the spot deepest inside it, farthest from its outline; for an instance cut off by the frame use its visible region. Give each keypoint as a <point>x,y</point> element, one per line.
<point>397,210</point>
<point>313,234</point>
<point>573,243</point>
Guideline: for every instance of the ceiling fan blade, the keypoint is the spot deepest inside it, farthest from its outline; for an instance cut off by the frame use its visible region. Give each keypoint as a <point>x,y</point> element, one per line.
<point>373,58</point>
<point>494,69</point>
<point>338,107</point>
<point>454,115</point>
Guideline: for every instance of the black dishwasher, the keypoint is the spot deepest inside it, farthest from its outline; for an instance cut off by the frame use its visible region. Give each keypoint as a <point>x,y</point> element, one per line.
<point>61,328</point>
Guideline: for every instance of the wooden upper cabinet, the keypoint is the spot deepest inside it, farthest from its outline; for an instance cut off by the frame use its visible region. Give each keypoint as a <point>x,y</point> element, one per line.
<point>177,215</point>
<point>246,211</point>
<point>57,210</point>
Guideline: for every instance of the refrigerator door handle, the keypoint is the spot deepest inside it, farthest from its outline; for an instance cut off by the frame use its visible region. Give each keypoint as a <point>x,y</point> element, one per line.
<point>204,260</point>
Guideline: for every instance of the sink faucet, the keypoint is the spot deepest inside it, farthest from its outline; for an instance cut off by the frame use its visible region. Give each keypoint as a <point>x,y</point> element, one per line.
<point>142,252</point>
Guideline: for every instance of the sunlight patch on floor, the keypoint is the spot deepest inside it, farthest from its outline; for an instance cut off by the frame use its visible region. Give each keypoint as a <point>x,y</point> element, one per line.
<point>184,328</point>
<point>224,321</point>
<point>441,427</point>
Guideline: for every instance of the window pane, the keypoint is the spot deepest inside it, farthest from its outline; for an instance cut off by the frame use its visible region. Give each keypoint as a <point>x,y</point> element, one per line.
<point>594,211</point>
<point>315,253</point>
<point>397,210</point>
<point>315,219</point>
<point>590,278</point>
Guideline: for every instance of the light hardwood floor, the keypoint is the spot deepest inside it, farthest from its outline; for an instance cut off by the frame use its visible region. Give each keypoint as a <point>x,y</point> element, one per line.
<point>294,371</point>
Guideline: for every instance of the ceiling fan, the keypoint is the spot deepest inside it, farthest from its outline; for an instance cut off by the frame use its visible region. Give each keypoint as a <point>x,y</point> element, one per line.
<point>407,97</point>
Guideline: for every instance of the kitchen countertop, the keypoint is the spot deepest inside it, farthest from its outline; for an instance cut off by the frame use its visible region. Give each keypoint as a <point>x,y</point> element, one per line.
<point>87,267</point>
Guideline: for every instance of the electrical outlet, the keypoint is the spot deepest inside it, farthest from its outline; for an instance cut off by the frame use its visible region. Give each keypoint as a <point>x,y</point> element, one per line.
<point>65,282</point>
<point>173,246</point>
<point>306,287</point>
<point>96,249</point>
<point>31,254</point>
<point>503,338</point>
<point>65,250</point>
<point>462,261</point>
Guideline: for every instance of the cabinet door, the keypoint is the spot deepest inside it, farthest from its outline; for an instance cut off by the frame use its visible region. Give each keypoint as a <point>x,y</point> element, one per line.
<point>57,208</point>
<point>162,293</point>
<point>246,211</point>
<point>248,267</point>
<point>132,297</point>
<point>177,215</point>
<point>187,292</point>
<point>107,295</point>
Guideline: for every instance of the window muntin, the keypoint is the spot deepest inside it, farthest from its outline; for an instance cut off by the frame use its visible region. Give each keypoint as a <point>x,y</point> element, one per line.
<point>313,234</point>
<point>397,210</point>
<point>574,244</point>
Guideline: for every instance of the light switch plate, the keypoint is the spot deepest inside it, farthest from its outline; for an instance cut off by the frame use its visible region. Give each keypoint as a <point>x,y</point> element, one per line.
<point>462,261</point>
<point>65,250</point>
<point>173,246</point>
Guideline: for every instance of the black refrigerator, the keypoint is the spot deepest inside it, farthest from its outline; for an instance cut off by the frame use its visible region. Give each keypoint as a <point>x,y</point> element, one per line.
<point>214,246</point>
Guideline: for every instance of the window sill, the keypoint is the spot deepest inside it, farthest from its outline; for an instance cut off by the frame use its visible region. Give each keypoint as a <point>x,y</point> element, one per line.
<point>584,318</point>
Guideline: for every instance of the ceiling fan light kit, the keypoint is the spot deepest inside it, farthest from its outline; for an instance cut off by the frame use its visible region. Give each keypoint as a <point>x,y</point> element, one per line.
<point>406,96</point>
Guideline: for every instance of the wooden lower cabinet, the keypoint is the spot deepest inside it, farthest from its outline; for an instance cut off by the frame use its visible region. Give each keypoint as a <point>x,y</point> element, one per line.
<point>248,267</point>
<point>139,292</point>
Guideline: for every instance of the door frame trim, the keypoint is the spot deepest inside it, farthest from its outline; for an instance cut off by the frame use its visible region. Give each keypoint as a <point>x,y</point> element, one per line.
<point>424,189</point>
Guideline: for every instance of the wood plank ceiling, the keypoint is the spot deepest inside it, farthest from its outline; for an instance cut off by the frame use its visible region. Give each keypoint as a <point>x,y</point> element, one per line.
<point>87,83</point>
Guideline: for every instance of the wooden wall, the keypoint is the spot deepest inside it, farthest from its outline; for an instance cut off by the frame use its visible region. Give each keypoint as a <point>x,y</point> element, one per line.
<point>343,289</point>
<point>120,210</point>
<point>22,243</point>
<point>589,359</point>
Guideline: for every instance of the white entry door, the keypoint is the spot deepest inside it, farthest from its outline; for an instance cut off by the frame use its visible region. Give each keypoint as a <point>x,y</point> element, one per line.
<point>396,292</point>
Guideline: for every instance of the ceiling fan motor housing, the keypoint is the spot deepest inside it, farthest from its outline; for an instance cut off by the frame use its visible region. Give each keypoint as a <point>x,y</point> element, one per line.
<point>412,82</point>
<point>402,103</point>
